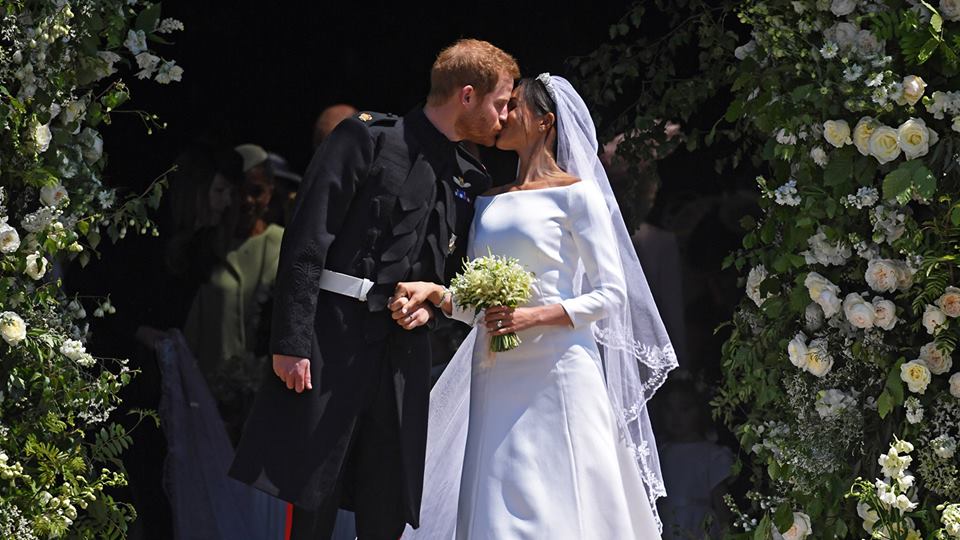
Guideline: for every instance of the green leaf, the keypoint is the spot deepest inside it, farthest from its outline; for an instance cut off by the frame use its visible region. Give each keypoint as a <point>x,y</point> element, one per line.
<point>763,532</point>
<point>148,18</point>
<point>924,181</point>
<point>783,519</point>
<point>927,50</point>
<point>897,185</point>
<point>884,404</point>
<point>734,111</point>
<point>839,170</point>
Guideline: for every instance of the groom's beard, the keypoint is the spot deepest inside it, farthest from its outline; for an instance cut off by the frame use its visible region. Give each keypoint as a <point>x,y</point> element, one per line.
<point>475,128</point>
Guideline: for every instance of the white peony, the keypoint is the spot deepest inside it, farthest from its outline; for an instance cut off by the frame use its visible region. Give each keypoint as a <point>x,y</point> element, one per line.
<point>837,132</point>
<point>915,138</point>
<point>885,313</point>
<point>12,328</point>
<point>950,9</point>
<point>797,351</point>
<point>53,195</point>
<point>935,359</point>
<point>858,311</point>
<point>934,320</point>
<point>36,266</point>
<point>916,374</point>
<point>862,133</point>
<point>882,275</point>
<point>9,239</point>
<point>819,359</point>
<point>824,293</point>
<point>756,276</point>
<point>949,302</point>
<point>955,385</point>
<point>913,88</point>
<point>885,144</point>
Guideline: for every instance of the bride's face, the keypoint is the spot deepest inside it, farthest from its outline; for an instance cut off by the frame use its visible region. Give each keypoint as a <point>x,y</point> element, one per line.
<point>522,128</point>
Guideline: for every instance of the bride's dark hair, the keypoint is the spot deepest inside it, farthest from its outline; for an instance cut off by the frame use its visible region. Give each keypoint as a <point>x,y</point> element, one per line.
<point>536,95</point>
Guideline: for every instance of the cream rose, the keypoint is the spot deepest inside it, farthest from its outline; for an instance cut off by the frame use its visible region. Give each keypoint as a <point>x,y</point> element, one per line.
<point>797,351</point>
<point>9,239</point>
<point>824,293</point>
<point>41,137</point>
<point>936,360</point>
<point>917,376</point>
<point>837,132</point>
<point>858,311</point>
<point>914,139</point>
<point>819,360</point>
<point>884,145</point>
<point>955,385</point>
<point>885,313</point>
<point>862,133</point>
<point>934,320</point>
<point>53,195</point>
<point>913,88</point>
<point>36,266</point>
<point>800,529</point>
<point>882,275</point>
<point>867,44</point>
<point>949,302</point>
<point>12,328</point>
<point>904,276</point>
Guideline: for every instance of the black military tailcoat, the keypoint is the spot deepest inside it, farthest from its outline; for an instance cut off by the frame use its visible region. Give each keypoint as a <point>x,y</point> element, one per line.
<point>385,198</point>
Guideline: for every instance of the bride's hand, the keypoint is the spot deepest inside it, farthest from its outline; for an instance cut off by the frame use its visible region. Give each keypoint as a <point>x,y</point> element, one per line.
<point>503,320</point>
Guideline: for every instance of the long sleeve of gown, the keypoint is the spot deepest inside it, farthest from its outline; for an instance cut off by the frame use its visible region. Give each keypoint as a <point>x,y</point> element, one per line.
<point>593,236</point>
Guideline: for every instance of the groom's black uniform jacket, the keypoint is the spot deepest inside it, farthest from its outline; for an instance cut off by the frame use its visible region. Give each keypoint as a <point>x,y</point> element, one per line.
<point>384,198</point>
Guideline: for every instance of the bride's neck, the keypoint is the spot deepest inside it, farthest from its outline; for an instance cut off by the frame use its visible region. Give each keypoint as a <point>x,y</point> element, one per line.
<point>536,164</point>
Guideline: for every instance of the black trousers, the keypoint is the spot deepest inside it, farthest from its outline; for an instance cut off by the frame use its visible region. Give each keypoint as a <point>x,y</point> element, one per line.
<point>371,476</point>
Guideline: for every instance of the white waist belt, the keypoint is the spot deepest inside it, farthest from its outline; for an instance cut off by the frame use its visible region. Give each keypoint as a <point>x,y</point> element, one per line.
<point>346,285</point>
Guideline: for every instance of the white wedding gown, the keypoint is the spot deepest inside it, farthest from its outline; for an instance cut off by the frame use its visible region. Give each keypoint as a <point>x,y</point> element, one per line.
<point>543,457</point>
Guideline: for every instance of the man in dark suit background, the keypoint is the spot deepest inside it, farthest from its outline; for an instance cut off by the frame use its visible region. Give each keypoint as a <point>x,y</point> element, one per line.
<point>385,199</point>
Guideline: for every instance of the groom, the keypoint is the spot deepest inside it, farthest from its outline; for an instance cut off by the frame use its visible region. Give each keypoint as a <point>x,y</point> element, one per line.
<point>343,422</point>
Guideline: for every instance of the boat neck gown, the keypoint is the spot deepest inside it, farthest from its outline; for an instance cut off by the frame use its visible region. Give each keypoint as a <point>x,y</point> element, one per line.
<point>543,455</point>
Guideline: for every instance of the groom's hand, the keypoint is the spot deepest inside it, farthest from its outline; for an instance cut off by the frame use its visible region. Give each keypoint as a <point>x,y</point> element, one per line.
<point>293,371</point>
<point>407,319</point>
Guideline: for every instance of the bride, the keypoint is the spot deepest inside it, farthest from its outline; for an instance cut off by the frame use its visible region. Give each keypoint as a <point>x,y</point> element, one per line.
<point>551,439</point>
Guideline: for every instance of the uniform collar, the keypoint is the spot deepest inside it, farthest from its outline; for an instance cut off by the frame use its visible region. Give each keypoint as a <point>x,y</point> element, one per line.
<point>431,140</point>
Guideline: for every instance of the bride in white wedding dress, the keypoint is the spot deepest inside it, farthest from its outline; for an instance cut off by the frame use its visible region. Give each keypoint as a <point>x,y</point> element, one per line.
<point>551,439</point>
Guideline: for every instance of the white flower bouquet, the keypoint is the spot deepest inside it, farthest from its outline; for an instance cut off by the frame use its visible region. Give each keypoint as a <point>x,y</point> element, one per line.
<point>493,281</point>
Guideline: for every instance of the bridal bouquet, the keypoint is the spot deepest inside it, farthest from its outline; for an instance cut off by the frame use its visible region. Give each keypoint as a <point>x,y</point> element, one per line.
<point>493,281</point>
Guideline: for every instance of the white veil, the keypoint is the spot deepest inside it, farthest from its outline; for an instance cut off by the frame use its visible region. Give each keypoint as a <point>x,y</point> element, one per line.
<point>635,349</point>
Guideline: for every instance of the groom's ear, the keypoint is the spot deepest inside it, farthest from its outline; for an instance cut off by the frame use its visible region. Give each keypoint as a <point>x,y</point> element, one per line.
<point>467,95</point>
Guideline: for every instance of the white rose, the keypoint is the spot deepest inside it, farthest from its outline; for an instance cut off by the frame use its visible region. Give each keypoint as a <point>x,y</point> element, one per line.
<point>824,293</point>
<point>936,360</point>
<point>862,133</point>
<point>950,10</point>
<point>858,311</point>
<point>756,276</point>
<point>9,239</point>
<point>53,195</point>
<point>955,385</point>
<point>949,302</point>
<point>819,360</point>
<point>885,313</point>
<point>837,132</point>
<point>72,349</point>
<point>917,376</point>
<point>36,266</point>
<point>41,137</point>
<point>867,44</point>
<point>934,320</point>
<point>797,351</point>
<point>884,145</point>
<point>819,156</point>
<point>882,275</point>
<point>801,524</point>
<point>844,34</point>
<point>913,136</point>
<point>12,328</point>
<point>842,8</point>
<point>913,88</point>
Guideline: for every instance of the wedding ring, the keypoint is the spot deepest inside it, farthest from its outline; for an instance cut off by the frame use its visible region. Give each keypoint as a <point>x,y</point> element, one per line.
<point>500,323</point>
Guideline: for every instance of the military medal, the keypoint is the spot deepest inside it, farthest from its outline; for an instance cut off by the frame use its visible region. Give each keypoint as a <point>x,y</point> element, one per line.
<point>452,245</point>
<point>458,180</point>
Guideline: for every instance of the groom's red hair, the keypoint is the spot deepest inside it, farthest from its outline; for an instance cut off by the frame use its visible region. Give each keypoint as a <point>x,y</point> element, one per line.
<point>469,62</point>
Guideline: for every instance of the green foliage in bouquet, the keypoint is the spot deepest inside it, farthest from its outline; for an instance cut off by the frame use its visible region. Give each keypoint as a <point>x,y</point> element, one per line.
<point>60,66</point>
<point>493,281</point>
<point>843,346</point>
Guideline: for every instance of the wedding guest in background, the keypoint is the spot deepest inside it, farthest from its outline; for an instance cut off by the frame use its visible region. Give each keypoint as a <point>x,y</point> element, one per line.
<point>286,184</point>
<point>329,118</point>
